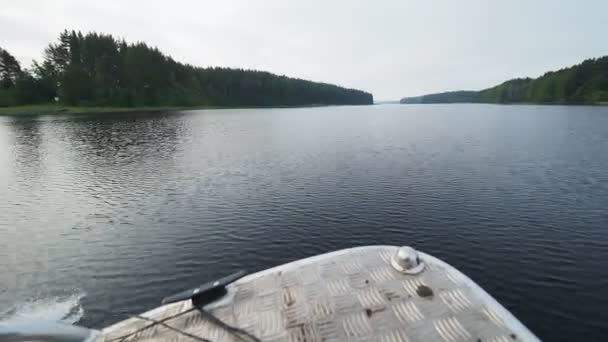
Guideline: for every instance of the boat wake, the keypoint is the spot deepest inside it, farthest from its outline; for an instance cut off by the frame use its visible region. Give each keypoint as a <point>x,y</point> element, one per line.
<point>66,309</point>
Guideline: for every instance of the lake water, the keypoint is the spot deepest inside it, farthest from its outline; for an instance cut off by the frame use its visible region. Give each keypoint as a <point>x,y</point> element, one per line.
<point>103,214</point>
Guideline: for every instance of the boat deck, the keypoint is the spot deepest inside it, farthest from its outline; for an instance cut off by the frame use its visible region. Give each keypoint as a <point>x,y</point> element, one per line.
<point>349,295</point>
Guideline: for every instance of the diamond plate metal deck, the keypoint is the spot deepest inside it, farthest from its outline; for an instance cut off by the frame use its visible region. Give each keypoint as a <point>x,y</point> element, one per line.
<point>348,295</point>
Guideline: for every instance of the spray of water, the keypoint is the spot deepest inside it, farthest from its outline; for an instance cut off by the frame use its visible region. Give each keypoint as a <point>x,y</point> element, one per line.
<point>66,309</point>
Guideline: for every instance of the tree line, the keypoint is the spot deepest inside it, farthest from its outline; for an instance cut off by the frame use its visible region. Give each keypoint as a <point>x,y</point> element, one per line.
<point>95,69</point>
<point>586,82</point>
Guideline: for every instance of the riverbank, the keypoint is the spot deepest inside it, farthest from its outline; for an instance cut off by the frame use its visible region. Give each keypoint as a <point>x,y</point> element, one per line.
<point>54,109</point>
<point>51,109</point>
<point>598,103</point>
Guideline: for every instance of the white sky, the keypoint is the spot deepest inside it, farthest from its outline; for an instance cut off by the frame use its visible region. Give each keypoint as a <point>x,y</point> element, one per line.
<point>392,48</point>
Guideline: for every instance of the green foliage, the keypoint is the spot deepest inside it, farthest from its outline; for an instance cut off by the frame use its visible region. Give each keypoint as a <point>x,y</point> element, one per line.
<point>98,70</point>
<point>9,70</point>
<point>512,91</point>
<point>17,86</point>
<point>448,97</point>
<point>583,83</point>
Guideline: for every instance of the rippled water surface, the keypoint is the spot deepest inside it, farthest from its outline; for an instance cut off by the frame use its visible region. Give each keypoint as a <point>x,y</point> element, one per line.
<point>102,214</point>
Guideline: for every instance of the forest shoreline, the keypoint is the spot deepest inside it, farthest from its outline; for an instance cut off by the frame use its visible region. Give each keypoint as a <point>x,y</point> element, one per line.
<point>98,70</point>
<point>580,84</point>
<point>57,109</point>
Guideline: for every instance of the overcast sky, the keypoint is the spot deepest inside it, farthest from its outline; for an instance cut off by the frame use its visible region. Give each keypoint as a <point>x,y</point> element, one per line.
<point>390,48</point>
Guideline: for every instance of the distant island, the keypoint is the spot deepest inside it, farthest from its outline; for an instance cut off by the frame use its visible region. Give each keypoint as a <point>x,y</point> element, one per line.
<point>98,70</point>
<point>585,83</point>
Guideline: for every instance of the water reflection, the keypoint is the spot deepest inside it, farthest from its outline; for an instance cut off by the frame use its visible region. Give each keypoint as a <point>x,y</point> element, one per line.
<point>116,141</point>
<point>25,142</point>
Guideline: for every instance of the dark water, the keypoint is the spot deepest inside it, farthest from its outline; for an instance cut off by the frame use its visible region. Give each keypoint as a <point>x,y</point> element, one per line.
<point>113,212</point>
